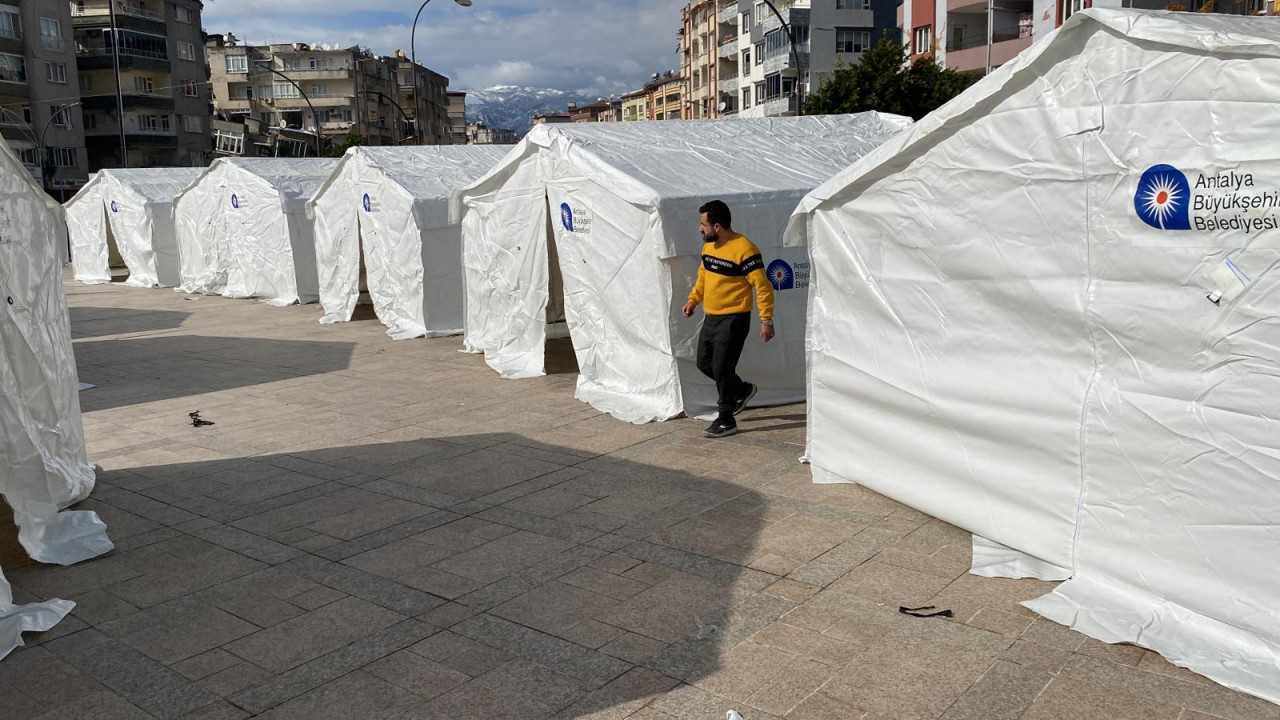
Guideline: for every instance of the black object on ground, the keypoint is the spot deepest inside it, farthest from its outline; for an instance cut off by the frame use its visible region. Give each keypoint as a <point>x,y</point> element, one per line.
<point>920,612</point>
<point>196,421</point>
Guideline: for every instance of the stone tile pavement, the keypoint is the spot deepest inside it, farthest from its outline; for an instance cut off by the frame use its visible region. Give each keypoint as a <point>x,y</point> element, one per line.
<point>376,530</point>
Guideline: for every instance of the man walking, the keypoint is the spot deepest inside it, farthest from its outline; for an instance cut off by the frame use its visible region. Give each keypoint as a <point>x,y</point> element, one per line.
<point>731,267</point>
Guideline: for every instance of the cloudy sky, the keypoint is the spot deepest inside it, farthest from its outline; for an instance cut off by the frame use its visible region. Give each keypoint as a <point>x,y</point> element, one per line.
<point>595,46</point>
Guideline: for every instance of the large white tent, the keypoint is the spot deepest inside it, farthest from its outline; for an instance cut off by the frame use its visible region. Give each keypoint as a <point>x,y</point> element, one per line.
<point>604,219</point>
<point>129,212</point>
<point>246,229</point>
<point>1046,314</point>
<point>43,463</point>
<point>388,209</point>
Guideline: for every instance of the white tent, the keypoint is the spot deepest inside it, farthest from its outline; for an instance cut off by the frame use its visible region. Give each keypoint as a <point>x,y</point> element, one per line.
<point>609,213</point>
<point>137,207</point>
<point>1046,315</point>
<point>43,463</point>
<point>388,207</point>
<point>245,229</point>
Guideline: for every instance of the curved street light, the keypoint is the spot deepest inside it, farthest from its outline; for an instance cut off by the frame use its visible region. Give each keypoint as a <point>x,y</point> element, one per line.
<point>46,163</point>
<point>383,96</point>
<point>266,64</point>
<point>795,58</point>
<point>413,58</point>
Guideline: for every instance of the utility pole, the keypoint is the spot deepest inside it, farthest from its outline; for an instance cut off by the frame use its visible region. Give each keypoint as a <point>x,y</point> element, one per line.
<point>115,56</point>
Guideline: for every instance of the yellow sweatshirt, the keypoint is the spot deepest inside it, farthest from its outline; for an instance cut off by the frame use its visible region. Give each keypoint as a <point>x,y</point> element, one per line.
<point>729,270</point>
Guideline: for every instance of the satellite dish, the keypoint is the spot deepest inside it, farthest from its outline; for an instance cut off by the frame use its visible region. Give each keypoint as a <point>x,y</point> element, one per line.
<point>723,106</point>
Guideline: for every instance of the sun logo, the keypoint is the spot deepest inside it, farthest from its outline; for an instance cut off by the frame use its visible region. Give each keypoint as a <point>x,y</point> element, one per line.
<point>780,275</point>
<point>1162,198</point>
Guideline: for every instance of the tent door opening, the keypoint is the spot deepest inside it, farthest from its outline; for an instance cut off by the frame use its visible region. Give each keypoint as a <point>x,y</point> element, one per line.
<point>560,357</point>
<point>116,266</point>
<point>364,302</point>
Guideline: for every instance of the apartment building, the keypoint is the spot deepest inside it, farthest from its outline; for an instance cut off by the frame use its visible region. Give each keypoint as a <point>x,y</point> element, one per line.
<point>481,134</point>
<point>664,97</point>
<point>159,113</point>
<point>457,116</point>
<point>432,103</point>
<point>38,94</point>
<point>739,58</point>
<point>326,89</point>
<point>635,106</point>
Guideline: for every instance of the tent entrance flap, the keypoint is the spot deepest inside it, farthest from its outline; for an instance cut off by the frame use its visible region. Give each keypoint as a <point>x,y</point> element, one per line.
<point>115,261</point>
<point>557,325</point>
<point>363,283</point>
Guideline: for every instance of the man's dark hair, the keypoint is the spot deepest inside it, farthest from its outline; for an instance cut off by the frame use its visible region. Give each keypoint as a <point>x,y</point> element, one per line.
<point>717,212</point>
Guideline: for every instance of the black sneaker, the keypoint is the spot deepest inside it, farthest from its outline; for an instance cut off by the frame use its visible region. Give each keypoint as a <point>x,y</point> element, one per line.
<point>719,429</point>
<point>746,398</point>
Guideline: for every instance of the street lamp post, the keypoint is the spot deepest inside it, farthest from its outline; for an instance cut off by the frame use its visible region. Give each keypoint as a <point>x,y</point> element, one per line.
<point>314,118</point>
<point>795,57</point>
<point>413,58</point>
<point>46,165</point>
<point>388,100</point>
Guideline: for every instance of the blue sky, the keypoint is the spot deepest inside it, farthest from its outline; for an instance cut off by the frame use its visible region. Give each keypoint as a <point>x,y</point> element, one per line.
<point>594,46</point>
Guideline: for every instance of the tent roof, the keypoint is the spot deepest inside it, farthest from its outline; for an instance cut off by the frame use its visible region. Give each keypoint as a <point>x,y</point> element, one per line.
<point>672,159</point>
<point>154,184</point>
<point>1222,35</point>
<point>431,171</point>
<point>295,178</point>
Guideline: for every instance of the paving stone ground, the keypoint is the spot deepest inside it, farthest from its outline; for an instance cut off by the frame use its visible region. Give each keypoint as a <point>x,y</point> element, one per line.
<point>375,530</point>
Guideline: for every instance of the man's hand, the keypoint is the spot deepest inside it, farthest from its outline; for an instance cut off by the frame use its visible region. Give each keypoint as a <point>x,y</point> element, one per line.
<point>766,332</point>
<point>689,308</point>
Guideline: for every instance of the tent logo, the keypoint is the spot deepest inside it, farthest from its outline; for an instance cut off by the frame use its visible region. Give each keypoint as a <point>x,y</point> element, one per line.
<point>566,216</point>
<point>235,201</point>
<point>114,209</point>
<point>1163,199</point>
<point>781,275</point>
<point>368,203</point>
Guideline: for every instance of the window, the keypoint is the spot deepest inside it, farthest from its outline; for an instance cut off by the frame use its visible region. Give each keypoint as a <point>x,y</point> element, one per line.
<point>284,90</point>
<point>697,79</point>
<point>13,68</point>
<point>237,64</point>
<point>10,22</point>
<point>745,26</point>
<point>26,114</point>
<point>86,83</point>
<point>56,72</point>
<point>322,117</point>
<point>91,121</point>
<point>228,142</point>
<point>746,61</point>
<point>746,98</point>
<point>190,88</point>
<point>776,43</point>
<point>319,90</point>
<point>186,51</point>
<point>51,33</point>
<point>760,12</point>
<point>772,86</point>
<point>140,44</point>
<point>193,123</point>
<point>923,39</point>
<point>264,92</point>
<point>62,115</point>
<point>185,15</point>
<point>759,53</point>
<point>853,4</point>
<point>759,93</point>
<point>153,123</point>
<point>142,84</point>
<point>63,157</point>
<point>30,157</point>
<point>849,40</point>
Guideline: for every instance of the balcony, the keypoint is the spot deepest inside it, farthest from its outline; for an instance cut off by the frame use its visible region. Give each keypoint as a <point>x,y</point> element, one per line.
<point>1003,50</point>
<point>729,84</point>
<point>324,100</point>
<point>729,48</point>
<point>99,57</point>
<point>779,60</point>
<point>779,105</point>
<point>129,16</point>
<point>728,11</point>
<point>133,99</point>
<point>317,73</point>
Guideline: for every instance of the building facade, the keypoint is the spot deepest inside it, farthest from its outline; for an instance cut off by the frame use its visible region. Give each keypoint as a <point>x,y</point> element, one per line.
<point>457,116</point>
<point>327,90</point>
<point>738,58</point>
<point>159,113</point>
<point>664,98</point>
<point>481,134</point>
<point>635,106</point>
<point>38,108</point>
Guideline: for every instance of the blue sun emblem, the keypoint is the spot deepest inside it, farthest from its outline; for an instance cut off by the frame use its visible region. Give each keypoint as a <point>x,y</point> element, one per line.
<point>1163,199</point>
<point>781,275</point>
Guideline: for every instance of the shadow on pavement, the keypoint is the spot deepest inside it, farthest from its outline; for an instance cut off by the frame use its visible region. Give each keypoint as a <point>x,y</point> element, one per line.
<point>91,322</point>
<point>130,371</point>
<point>465,576</point>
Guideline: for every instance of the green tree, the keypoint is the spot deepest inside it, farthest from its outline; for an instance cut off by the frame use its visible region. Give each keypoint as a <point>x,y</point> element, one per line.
<point>352,139</point>
<point>884,81</point>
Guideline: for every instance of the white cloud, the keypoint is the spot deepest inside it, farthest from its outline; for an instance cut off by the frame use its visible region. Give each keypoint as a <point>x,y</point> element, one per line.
<point>603,46</point>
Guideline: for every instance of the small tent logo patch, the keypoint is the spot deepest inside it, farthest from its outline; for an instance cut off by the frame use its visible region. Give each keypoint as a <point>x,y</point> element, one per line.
<point>368,203</point>
<point>1163,199</point>
<point>566,217</point>
<point>235,201</point>
<point>781,275</point>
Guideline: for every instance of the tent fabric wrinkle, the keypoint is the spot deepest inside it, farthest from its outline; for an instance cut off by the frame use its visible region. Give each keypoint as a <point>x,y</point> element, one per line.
<point>594,228</point>
<point>1043,314</point>
<point>44,466</point>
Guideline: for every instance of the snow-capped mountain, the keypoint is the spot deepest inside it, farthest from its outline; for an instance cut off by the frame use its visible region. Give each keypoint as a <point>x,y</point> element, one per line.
<point>509,106</point>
